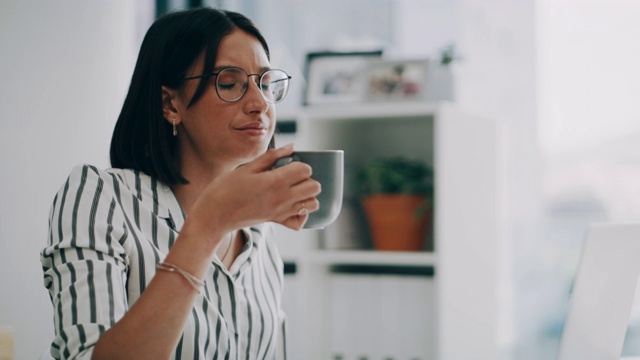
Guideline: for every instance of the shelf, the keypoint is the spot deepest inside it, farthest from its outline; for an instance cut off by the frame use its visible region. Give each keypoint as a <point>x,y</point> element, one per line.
<point>370,257</point>
<point>462,147</point>
<point>375,110</point>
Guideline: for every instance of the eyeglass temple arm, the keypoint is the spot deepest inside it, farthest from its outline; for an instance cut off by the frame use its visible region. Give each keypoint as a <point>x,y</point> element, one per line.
<point>200,76</point>
<point>287,78</point>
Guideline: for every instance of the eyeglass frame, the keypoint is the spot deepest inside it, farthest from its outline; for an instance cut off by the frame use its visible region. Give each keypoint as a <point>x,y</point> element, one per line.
<point>259,83</point>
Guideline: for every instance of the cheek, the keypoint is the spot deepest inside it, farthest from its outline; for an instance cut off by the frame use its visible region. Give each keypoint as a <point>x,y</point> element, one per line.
<point>271,114</point>
<point>218,116</point>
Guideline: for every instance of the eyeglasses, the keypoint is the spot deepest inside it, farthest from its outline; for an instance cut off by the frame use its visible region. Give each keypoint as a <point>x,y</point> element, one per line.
<point>232,83</point>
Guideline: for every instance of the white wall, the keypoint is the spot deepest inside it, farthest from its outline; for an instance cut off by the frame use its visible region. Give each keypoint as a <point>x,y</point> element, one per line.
<point>64,70</point>
<point>589,78</point>
<point>496,77</point>
<point>589,130</point>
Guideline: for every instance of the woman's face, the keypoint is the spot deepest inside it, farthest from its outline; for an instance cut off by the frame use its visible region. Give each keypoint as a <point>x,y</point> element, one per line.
<point>222,135</point>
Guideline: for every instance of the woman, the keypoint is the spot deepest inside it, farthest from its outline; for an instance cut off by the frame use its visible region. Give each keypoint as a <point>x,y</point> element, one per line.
<point>168,254</point>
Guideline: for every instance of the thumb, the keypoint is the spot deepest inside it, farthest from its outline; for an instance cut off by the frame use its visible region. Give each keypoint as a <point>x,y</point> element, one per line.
<point>267,160</point>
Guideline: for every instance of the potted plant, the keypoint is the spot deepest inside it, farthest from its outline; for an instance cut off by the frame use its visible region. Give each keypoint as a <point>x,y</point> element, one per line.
<point>396,195</point>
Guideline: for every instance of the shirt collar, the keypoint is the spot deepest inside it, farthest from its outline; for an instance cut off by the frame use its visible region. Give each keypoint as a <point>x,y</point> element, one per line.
<point>169,207</point>
<point>154,195</point>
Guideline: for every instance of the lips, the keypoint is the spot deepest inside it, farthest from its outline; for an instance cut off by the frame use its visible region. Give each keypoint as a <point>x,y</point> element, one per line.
<point>253,129</point>
<point>253,126</point>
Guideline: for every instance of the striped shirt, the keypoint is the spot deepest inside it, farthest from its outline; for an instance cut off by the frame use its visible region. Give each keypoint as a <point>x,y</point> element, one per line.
<point>109,229</point>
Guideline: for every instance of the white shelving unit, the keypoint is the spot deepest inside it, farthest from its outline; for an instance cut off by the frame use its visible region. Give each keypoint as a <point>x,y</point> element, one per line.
<point>463,149</point>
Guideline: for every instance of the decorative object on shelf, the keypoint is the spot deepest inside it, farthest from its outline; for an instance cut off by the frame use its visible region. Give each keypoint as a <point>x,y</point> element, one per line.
<point>336,77</point>
<point>397,194</point>
<point>401,80</point>
<point>441,85</point>
<point>448,55</point>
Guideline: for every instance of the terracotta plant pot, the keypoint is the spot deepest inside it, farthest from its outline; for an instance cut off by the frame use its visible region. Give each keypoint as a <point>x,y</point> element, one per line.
<point>393,222</point>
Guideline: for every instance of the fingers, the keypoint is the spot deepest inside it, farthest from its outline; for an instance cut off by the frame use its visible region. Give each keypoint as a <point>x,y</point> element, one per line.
<point>306,206</point>
<point>294,222</point>
<point>302,209</point>
<point>288,192</point>
<point>291,174</point>
<point>265,161</point>
<point>300,213</point>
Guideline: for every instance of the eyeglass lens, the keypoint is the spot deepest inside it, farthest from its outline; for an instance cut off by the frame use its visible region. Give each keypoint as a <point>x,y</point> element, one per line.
<point>232,83</point>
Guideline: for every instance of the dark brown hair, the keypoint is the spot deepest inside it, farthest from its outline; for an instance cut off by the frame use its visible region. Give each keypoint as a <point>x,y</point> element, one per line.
<point>142,138</point>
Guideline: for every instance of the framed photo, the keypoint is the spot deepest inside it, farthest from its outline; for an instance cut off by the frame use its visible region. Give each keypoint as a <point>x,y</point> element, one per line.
<point>336,77</point>
<point>396,80</point>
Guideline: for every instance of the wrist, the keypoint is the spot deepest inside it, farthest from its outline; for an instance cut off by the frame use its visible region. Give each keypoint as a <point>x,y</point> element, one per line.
<point>194,250</point>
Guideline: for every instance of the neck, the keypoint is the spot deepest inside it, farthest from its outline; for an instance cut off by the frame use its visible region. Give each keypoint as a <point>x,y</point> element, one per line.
<point>199,178</point>
<point>186,194</point>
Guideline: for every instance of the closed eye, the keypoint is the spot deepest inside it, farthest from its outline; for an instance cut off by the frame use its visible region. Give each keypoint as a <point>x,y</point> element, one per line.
<point>227,86</point>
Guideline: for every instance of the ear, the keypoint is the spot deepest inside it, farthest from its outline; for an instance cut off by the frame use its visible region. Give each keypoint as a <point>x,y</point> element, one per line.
<point>170,105</point>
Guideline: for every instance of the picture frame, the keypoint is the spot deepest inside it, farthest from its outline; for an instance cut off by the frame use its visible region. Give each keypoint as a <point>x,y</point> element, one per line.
<point>336,77</point>
<point>396,80</point>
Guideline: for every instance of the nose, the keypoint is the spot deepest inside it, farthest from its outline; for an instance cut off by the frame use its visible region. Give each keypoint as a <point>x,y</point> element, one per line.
<point>254,94</point>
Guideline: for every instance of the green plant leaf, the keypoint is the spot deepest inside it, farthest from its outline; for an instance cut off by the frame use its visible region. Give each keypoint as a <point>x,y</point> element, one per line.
<point>395,175</point>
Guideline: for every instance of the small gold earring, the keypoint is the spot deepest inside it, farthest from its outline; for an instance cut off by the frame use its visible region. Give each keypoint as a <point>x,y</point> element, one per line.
<point>175,129</point>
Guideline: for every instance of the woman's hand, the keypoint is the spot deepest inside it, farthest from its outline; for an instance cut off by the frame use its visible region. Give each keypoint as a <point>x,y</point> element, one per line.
<point>255,193</point>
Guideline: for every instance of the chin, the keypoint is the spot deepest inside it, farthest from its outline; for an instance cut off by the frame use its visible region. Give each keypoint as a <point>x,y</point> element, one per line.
<point>253,154</point>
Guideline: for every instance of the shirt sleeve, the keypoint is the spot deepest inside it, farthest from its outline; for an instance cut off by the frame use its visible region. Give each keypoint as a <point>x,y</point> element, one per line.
<point>84,263</point>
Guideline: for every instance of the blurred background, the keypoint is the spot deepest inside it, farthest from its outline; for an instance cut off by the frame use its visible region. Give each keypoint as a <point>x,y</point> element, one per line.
<point>559,77</point>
